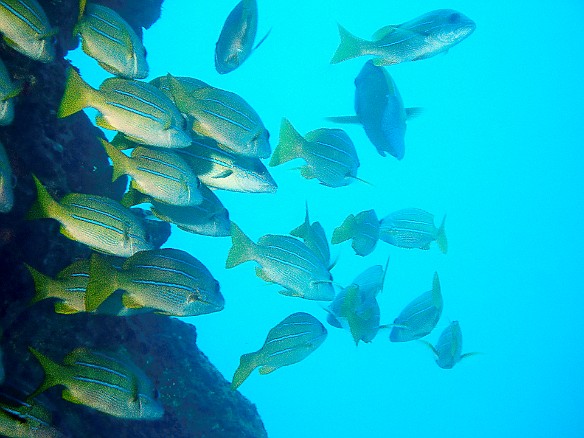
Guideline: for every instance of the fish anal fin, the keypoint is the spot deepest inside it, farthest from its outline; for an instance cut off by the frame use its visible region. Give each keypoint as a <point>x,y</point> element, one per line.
<point>263,275</point>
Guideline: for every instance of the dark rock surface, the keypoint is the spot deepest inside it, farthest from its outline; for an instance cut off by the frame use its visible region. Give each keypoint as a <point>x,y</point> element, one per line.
<point>66,156</point>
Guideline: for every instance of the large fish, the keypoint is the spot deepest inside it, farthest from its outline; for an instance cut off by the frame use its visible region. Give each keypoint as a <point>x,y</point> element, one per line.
<point>223,116</point>
<point>412,228</point>
<point>99,222</point>
<point>8,91</point>
<point>69,288</point>
<point>209,218</point>
<point>26,29</point>
<point>286,261</point>
<point>287,343</point>
<point>108,382</point>
<point>355,307</point>
<point>137,109</point>
<point>314,237</point>
<point>420,316</point>
<point>420,38</point>
<point>6,182</point>
<point>170,281</point>
<point>329,154</point>
<point>109,39</point>
<point>362,229</point>
<point>221,169</point>
<point>380,109</point>
<point>235,42</point>
<point>160,173</point>
<point>448,349</point>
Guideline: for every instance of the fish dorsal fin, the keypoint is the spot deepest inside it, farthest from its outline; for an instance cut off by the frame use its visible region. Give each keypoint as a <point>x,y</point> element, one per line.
<point>384,31</point>
<point>413,112</point>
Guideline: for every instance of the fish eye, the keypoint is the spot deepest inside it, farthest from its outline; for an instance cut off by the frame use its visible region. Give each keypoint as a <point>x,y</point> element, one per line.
<point>454,17</point>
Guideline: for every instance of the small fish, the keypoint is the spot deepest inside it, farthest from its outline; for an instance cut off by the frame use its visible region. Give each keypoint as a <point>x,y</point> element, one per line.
<point>209,218</point>
<point>137,109</point>
<point>287,343</point>
<point>355,307</point>
<point>412,228</point>
<point>110,383</point>
<point>8,91</point>
<point>26,29</point>
<point>314,237</point>
<point>363,229</point>
<point>109,39</point>
<point>160,173</point>
<point>286,261</point>
<point>420,38</point>
<point>96,221</point>
<point>6,182</point>
<point>223,116</point>
<point>170,281</point>
<point>380,109</point>
<point>220,169</point>
<point>235,42</point>
<point>420,316</point>
<point>24,419</point>
<point>448,349</point>
<point>330,155</point>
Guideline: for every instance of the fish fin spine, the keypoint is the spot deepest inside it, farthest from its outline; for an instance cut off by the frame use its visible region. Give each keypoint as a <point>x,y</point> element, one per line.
<point>102,282</point>
<point>289,146</point>
<point>441,237</point>
<point>242,249</point>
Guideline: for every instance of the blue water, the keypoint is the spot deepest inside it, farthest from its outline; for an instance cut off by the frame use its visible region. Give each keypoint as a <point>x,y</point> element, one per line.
<point>498,149</point>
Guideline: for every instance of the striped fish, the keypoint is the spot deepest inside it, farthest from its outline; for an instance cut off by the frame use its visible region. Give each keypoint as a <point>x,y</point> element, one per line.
<point>225,117</point>
<point>286,261</point>
<point>159,173</point>
<point>6,182</point>
<point>110,383</point>
<point>314,237</point>
<point>420,316</point>
<point>99,222</point>
<point>355,307</point>
<point>221,169</point>
<point>448,349</point>
<point>26,29</point>
<point>289,342</point>
<point>137,109</point>
<point>329,154</point>
<point>412,228</point>
<point>170,281</point>
<point>363,229</point>
<point>24,419</point>
<point>8,91</point>
<point>109,39</point>
<point>423,37</point>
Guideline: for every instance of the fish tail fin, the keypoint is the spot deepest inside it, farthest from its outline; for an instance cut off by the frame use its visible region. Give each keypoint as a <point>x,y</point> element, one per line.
<point>44,206</point>
<point>42,285</point>
<point>102,282</point>
<point>349,47</point>
<point>134,197</point>
<point>246,366</point>
<point>437,292</point>
<point>76,95</point>
<point>177,90</point>
<point>289,146</point>
<point>119,159</point>
<point>441,237</point>
<point>53,373</point>
<point>345,231</point>
<point>242,249</point>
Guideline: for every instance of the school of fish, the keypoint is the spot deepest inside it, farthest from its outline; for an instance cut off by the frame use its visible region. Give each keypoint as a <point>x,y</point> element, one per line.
<point>186,140</point>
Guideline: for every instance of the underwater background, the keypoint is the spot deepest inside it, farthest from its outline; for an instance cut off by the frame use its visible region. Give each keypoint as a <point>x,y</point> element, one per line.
<point>497,150</point>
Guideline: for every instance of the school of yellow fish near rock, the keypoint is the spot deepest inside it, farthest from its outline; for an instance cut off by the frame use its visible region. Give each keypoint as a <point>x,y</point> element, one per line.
<point>187,139</point>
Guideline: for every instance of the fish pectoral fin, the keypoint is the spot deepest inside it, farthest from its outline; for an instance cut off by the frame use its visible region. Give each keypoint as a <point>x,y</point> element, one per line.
<point>103,123</point>
<point>413,112</point>
<point>430,346</point>
<point>68,395</point>
<point>65,309</point>
<point>130,302</point>
<point>224,174</point>
<point>266,369</point>
<point>263,275</point>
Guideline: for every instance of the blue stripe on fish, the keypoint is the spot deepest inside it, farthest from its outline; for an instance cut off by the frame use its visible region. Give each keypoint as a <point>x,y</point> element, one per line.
<point>22,17</point>
<point>99,367</point>
<point>106,35</point>
<point>135,111</point>
<point>101,224</point>
<point>99,382</point>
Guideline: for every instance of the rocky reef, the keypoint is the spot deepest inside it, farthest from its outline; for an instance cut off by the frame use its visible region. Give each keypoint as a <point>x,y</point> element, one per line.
<point>67,157</point>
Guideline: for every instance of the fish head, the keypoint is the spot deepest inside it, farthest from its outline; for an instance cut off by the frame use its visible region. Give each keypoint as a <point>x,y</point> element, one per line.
<point>43,49</point>
<point>176,135</point>
<point>454,27</point>
<point>260,144</point>
<point>254,177</point>
<point>205,299</point>
<point>147,405</point>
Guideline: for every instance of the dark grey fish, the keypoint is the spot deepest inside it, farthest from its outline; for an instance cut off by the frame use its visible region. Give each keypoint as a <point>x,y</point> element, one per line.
<point>289,342</point>
<point>448,349</point>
